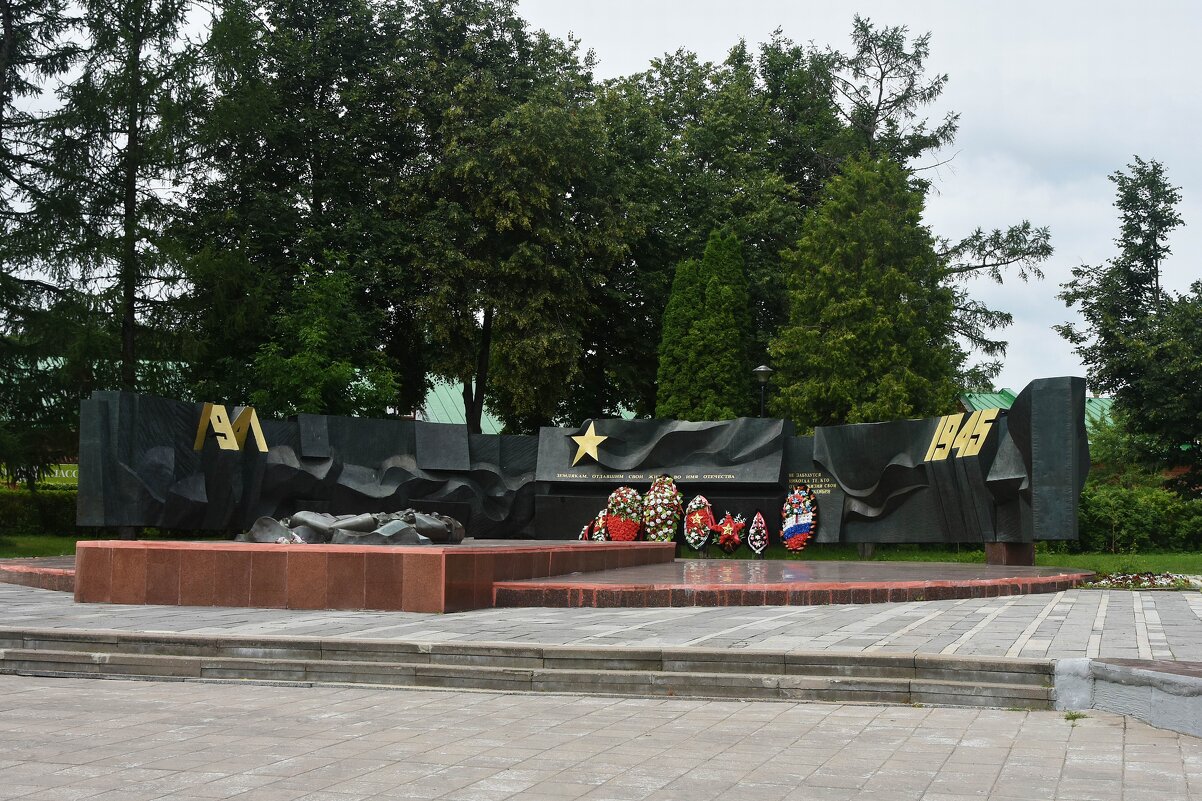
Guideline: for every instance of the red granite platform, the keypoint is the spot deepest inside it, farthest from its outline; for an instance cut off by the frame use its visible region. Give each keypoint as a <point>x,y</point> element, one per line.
<point>712,582</point>
<point>412,579</point>
<point>44,572</point>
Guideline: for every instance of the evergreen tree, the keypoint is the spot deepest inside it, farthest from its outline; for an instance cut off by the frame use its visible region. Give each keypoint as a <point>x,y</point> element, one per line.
<point>35,429</point>
<point>881,87</point>
<point>686,307</point>
<point>1140,343</point>
<point>869,335</point>
<point>704,368</point>
<point>117,144</point>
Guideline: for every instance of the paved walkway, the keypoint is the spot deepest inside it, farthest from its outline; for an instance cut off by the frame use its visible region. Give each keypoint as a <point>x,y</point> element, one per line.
<point>136,741</point>
<point>67,739</point>
<point>1094,623</point>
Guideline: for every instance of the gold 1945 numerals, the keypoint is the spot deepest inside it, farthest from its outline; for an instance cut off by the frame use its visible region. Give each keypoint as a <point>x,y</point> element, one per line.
<point>965,440</point>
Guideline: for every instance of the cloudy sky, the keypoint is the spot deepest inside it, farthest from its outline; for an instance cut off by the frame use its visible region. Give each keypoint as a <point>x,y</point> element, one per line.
<point>1053,98</point>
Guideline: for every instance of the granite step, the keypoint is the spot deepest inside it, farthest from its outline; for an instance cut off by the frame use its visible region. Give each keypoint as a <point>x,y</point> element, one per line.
<point>680,672</point>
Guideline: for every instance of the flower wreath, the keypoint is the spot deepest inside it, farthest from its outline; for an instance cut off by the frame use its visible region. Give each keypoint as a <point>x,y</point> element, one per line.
<point>728,530</point>
<point>799,518</point>
<point>757,535</point>
<point>595,529</point>
<point>662,509</point>
<point>698,517</point>
<point>624,514</point>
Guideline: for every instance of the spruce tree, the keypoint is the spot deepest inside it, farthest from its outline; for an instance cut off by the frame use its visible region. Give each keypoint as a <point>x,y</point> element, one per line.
<point>1142,343</point>
<point>869,335</point>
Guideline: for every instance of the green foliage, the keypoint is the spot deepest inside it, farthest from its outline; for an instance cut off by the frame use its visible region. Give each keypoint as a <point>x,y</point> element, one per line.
<point>704,367</point>
<point>1125,506</point>
<point>43,512</point>
<point>869,331</point>
<point>122,134</point>
<point>880,87</point>
<point>504,204</point>
<point>292,266</point>
<point>1133,519</point>
<point>327,204</point>
<point>684,311</point>
<point>316,362</point>
<point>1117,457</point>
<point>1139,342</point>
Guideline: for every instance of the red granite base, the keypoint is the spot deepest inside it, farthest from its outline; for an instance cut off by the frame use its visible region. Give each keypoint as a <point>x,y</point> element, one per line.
<point>51,573</point>
<point>411,579</point>
<point>783,583</point>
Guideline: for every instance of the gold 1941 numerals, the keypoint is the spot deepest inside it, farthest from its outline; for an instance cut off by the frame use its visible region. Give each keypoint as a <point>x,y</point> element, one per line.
<point>965,440</point>
<point>230,436</point>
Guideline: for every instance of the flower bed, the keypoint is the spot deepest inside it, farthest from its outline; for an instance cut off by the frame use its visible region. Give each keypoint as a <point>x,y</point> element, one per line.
<point>1145,581</point>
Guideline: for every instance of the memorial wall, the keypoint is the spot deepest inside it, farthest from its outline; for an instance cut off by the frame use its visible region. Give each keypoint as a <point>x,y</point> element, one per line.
<point>993,476</point>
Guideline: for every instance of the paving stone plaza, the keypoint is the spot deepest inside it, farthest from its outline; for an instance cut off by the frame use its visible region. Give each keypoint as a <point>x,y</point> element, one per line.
<point>69,738</point>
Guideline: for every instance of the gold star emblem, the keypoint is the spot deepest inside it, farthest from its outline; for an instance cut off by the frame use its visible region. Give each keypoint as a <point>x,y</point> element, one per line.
<point>588,443</point>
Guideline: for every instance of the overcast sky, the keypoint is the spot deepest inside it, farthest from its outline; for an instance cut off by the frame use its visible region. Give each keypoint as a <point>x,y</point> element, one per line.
<point>1053,97</point>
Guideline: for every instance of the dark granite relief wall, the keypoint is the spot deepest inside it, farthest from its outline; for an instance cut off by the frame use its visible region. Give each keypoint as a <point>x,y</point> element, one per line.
<point>137,453</point>
<point>928,480</point>
<point>1022,484</point>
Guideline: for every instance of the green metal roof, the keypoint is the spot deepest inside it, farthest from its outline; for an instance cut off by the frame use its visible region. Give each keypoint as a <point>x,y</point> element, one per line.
<point>975,401</point>
<point>1096,409</point>
<point>444,404</point>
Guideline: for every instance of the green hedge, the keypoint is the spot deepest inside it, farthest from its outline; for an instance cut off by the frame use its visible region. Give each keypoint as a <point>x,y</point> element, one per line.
<point>1126,519</point>
<point>41,512</point>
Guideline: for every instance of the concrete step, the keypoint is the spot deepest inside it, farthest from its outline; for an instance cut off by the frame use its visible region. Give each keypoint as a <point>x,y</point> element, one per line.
<point>683,672</point>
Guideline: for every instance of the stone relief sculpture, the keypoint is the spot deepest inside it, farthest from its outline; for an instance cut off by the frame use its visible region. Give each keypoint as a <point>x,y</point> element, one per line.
<point>408,527</point>
<point>991,476</point>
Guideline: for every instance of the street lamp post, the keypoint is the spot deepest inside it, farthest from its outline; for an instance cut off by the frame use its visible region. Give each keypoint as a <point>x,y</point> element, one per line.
<point>762,373</point>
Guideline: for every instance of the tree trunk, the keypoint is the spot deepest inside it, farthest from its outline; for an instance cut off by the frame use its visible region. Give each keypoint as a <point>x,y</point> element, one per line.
<point>473,407</point>
<point>129,210</point>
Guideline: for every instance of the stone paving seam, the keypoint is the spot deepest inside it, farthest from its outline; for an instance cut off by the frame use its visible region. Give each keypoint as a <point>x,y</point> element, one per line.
<point>980,625</point>
<point>1024,639</point>
<point>1094,649</point>
<point>1142,644</point>
<point>1157,639</point>
<point>673,616</point>
<point>912,626</point>
<point>801,611</point>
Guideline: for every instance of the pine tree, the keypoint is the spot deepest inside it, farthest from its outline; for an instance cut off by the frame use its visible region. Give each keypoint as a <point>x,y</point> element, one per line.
<point>869,335</point>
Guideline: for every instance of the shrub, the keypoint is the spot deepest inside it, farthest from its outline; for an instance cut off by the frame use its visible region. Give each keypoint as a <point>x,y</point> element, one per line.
<point>41,512</point>
<point>1131,519</point>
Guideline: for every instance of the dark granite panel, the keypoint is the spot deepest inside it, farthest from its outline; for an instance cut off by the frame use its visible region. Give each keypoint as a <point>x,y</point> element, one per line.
<point>442,446</point>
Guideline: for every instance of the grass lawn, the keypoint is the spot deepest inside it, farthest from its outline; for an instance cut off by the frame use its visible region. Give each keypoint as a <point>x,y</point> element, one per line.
<point>22,546</point>
<point>1189,563</point>
<point>28,545</point>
